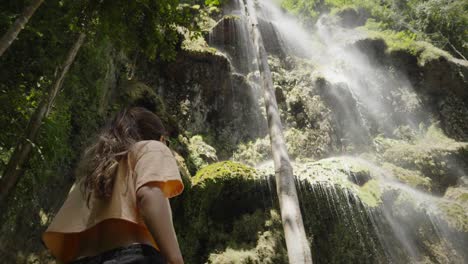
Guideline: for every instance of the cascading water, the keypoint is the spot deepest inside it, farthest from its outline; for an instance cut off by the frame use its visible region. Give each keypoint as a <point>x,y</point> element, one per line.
<point>404,224</point>
<point>294,233</point>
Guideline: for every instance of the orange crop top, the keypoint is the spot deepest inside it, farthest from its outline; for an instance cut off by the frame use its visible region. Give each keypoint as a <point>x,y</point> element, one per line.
<point>147,161</point>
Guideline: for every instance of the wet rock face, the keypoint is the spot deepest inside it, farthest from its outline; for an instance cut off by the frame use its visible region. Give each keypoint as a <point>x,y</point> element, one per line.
<point>272,42</point>
<point>434,156</point>
<point>373,48</point>
<point>440,83</point>
<point>441,75</point>
<point>229,36</point>
<point>200,89</point>
<point>349,124</point>
<point>437,76</point>
<point>308,121</point>
<point>351,18</point>
<point>453,113</point>
<point>380,204</point>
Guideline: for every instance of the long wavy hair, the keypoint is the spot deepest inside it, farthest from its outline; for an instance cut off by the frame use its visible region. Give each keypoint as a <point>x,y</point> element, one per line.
<point>99,163</point>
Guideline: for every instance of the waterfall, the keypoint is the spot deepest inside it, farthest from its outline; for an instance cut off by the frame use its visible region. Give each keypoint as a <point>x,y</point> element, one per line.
<point>363,93</point>
<point>296,241</point>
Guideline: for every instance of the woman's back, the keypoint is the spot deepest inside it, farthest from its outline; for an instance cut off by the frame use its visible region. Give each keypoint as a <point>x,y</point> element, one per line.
<point>87,228</point>
<point>109,235</point>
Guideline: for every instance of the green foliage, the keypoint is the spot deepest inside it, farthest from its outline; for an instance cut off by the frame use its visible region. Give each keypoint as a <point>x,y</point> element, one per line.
<point>201,154</point>
<point>444,23</point>
<point>404,40</point>
<point>305,9</point>
<point>213,2</point>
<point>269,248</point>
<point>252,153</point>
<point>115,31</point>
<point>144,26</point>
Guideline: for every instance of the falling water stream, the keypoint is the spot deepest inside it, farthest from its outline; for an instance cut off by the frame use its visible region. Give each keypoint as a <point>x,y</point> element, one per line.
<point>394,231</point>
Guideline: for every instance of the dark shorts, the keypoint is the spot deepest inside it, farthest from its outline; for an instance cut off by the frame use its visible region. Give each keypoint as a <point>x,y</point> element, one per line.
<point>133,254</point>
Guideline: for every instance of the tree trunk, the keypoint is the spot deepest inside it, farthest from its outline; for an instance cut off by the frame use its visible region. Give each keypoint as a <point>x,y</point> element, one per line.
<point>296,241</point>
<point>20,156</point>
<point>19,24</point>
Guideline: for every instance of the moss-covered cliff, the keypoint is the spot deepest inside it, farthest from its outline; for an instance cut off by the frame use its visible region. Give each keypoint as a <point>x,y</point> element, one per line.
<point>376,120</point>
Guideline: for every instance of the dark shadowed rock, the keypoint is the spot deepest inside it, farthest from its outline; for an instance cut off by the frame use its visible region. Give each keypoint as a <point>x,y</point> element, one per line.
<point>351,18</point>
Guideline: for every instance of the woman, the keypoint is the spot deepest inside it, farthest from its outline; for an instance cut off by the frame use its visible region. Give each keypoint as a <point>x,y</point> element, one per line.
<point>118,211</point>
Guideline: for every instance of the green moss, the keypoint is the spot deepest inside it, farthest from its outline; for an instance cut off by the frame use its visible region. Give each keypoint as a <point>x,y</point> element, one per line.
<point>413,178</point>
<point>306,144</point>
<point>306,10</point>
<point>301,108</point>
<point>184,172</point>
<point>458,194</point>
<point>253,152</point>
<point>225,208</point>
<point>455,215</point>
<point>343,8</point>
<point>344,171</point>
<point>404,40</point>
<point>199,45</point>
<point>224,170</point>
<point>464,197</point>
<point>433,154</point>
<point>200,153</point>
<point>233,256</point>
<point>370,193</point>
<point>266,248</point>
<point>327,171</point>
<point>231,17</point>
<point>194,41</point>
<point>134,92</point>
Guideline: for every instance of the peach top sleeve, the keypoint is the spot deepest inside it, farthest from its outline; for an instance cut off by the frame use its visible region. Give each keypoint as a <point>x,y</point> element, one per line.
<point>147,162</point>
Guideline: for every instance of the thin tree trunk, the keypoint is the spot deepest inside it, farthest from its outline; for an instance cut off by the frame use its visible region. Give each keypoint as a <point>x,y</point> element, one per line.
<point>20,156</point>
<point>19,24</point>
<point>296,241</point>
<point>456,51</point>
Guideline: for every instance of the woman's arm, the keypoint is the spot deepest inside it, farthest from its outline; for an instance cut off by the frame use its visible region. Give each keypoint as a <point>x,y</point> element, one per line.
<point>156,212</point>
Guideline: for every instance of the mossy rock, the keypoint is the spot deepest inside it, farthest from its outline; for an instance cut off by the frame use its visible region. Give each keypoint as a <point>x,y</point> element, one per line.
<point>309,143</point>
<point>224,170</point>
<point>268,248</point>
<point>136,93</point>
<point>456,215</point>
<point>413,178</point>
<point>184,172</point>
<point>458,194</point>
<point>345,171</point>
<point>370,193</point>
<point>200,153</point>
<point>404,40</point>
<point>253,152</point>
<point>351,17</point>
<point>457,210</point>
<point>351,176</point>
<point>433,154</point>
<point>225,208</point>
